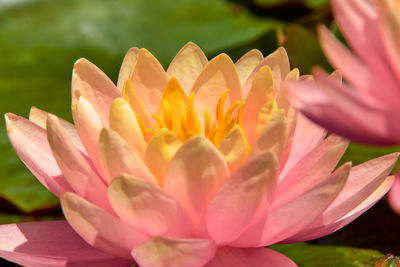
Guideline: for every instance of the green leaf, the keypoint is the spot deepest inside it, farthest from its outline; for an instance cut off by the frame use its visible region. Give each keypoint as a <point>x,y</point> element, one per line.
<point>40,40</point>
<point>306,255</point>
<point>303,49</point>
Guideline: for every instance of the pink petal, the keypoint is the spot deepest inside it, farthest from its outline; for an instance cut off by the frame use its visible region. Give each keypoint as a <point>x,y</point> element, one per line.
<point>88,126</point>
<point>245,257</point>
<point>170,252</point>
<point>30,143</point>
<point>195,174</point>
<point>285,218</point>
<point>127,67</point>
<point>328,103</point>
<point>243,199</point>
<point>145,206</point>
<point>365,79</point>
<point>218,75</point>
<point>247,63</point>
<point>306,137</point>
<point>315,165</point>
<point>278,61</point>
<point>118,158</point>
<point>76,167</point>
<point>99,228</point>
<point>187,65</point>
<point>48,244</point>
<point>39,117</point>
<point>91,83</point>
<point>394,195</point>
<point>149,80</point>
<point>316,232</point>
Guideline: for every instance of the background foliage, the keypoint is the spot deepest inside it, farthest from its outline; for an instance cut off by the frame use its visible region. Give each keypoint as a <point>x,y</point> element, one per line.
<point>41,39</point>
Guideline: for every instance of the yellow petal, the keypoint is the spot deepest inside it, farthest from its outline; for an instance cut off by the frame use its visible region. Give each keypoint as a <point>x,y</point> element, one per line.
<point>123,121</point>
<point>160,149</point>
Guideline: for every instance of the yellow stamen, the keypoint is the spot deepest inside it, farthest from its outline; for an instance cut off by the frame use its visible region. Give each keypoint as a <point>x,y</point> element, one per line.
<point>220,110</point>
<point>167,115</point>
<point>239,120</point>
<point>160,122</point>
<point>207,123</point>
<point>230,110</point>
<point>141,125</point>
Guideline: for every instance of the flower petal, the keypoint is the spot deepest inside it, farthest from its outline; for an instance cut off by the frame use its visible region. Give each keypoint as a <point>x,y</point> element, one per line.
<point>127,67</point>
<point>30,143</point>
<point>243,199</point>
<point>286,218</point>
<point>39,117</point>
<point>273,137</point>
<point>123,121</point>
<point>394,195</point>
<point>159,152</point>
<point>218,75</point>
<point>195,174</point>
<point>118,158</point>
<point>247,63</point>
<point>187,65</point>
<point>316,232</point>
<point>88,126</point>
<point>244,257</point>
<point>99,228</point>
<point>144,205</point>
<point>76,167</point>
<point>149,80</point>
<point>234,148</point>
<point>51,244</point>
<point>278,61</point>
<point>170,252</point>
<point>91,83</point>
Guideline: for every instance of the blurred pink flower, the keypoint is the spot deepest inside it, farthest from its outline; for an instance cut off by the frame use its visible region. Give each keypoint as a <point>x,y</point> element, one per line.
<point>209,179</point>
<point>367,108</point>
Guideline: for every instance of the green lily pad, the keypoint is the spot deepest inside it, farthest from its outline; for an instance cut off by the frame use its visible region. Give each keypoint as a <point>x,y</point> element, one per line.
<point>41,39</point>
<point>306,255</point>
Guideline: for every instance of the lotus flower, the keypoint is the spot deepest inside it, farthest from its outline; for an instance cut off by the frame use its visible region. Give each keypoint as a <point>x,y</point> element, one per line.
<point>205,164</point>
<point>367,107</point>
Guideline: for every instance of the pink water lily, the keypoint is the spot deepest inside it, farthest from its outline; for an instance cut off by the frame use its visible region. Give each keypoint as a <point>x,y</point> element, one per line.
<point>366,108</point>
<point>204,164</point>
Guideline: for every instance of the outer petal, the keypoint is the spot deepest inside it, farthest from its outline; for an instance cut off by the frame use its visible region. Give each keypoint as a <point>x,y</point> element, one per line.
<point>40,117</point>
<point>88,126</point>
<point>118,158</point>
<point>169,252</point>
<point>99,228</point>
<point>306,137</point>
<point>195,174</point>
<point>316,232</point>
<point>127,67</point>
<point>51,244</point>
<point>187,65</point>
<point>245,257</point>
<point>243,199</point>
<point>394,195</point>
<point>247,63</point>
<point>90,82</point>
<point>217,76</point>
<point>30,142</point>
<point>287,218</point>
<point>149,80</point>
<point>76,167</point>
<point>145,206</point>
